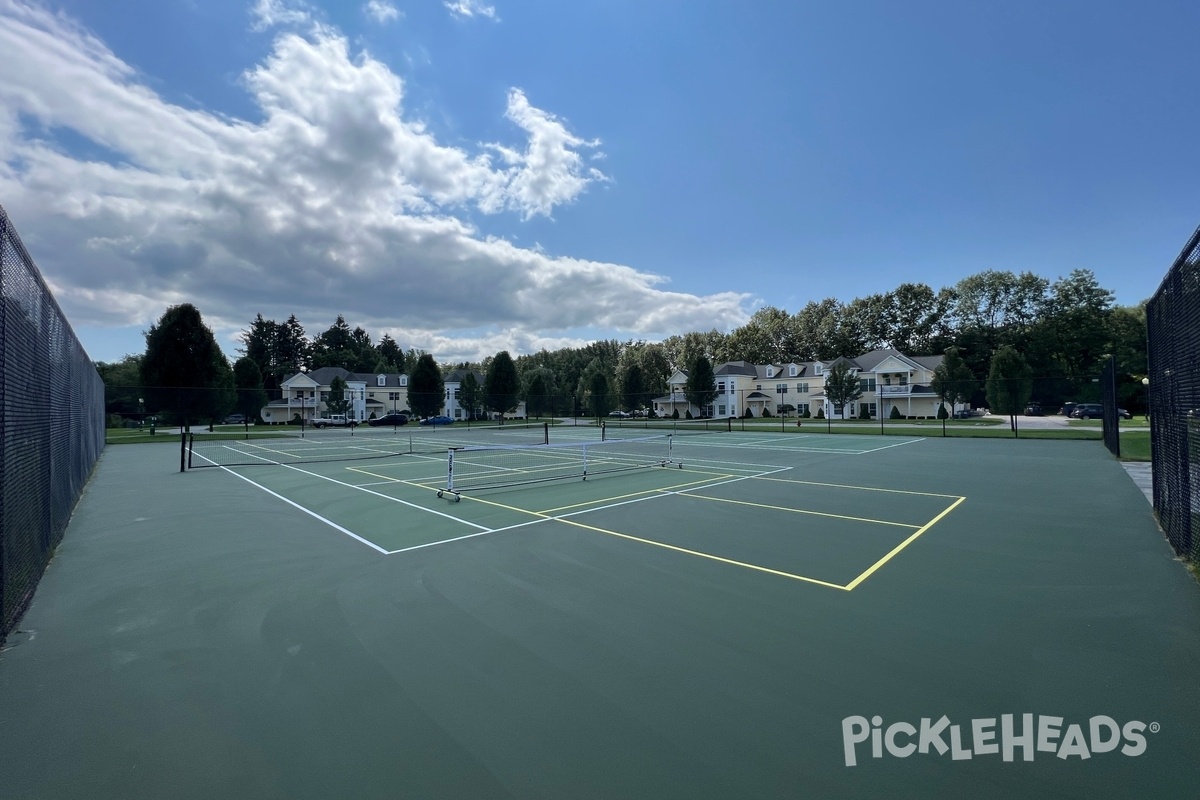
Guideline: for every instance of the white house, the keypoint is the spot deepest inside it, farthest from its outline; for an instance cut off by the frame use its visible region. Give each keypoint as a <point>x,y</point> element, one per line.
<point>888,379</point>
<point>306,394</point>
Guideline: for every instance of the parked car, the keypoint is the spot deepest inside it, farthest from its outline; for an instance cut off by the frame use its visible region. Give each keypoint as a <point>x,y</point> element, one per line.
<point>440,419</point>
<point>1096,411</point>
<point>235,419</point>
<point>964,413</point>
<point>619,414</point>
<point>1067,408</point>
<point>333,421</point>
<point>1087,411</point>
<point>1034,410</point>
<point>392,418</point>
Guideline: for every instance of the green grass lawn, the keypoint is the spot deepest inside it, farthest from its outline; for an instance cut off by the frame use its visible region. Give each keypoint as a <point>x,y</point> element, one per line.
<point>1136,422</point>
<point>1135,446</point>
<point>991,429</point>
<point>144,436</point>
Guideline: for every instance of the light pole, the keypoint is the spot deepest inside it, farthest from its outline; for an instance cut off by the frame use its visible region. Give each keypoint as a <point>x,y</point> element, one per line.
<point>1146,404</point>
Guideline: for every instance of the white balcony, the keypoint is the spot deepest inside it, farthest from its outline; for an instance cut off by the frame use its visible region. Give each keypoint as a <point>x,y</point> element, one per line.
<point>892,391</point>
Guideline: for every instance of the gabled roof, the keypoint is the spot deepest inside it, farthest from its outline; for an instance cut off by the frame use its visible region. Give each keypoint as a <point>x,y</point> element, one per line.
<point>869,361</point>
<point>390,379</point>
<point>457,376</point>
<point>928,362</point>
<point>852,363</point>
<point>737,368</point>
<point>324,376</point>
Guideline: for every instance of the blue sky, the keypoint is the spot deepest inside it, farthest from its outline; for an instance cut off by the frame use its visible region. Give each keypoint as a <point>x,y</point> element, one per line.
<point>475,176</point>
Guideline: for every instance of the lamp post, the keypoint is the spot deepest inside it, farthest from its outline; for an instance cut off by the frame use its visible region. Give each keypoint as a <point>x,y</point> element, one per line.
<point>1146,403</point>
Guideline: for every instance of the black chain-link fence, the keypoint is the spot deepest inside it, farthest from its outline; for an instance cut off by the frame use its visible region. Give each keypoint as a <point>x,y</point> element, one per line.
<point>1173,327</point>
<point>1108,400</point>
<point>52,404</point>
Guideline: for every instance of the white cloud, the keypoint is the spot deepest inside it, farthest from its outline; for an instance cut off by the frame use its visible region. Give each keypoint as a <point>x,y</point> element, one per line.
<point>271,13</point>
<point>335,201</point>
<point>381,11</point>
<point>471,8</point>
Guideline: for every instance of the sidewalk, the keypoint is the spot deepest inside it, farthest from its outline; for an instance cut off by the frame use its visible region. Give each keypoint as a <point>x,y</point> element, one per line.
<point>1142,476</point>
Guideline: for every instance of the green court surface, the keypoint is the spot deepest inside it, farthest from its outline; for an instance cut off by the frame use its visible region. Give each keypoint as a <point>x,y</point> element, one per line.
<point>695,630</point>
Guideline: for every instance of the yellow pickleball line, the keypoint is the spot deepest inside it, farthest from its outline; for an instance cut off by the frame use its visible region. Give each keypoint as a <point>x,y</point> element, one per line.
<point>895,550</point>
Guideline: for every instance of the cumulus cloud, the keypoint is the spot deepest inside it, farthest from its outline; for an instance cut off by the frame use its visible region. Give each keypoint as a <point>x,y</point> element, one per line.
<point>381,11</point>
<point>471,8</point>
<point>335,200</point>
<point>271,13</point>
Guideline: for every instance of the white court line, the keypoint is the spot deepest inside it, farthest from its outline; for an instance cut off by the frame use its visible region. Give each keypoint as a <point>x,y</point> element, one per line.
<point>897,444</point>
<point>542,518</point>
<point>334,525</point>
<point>310,512</point>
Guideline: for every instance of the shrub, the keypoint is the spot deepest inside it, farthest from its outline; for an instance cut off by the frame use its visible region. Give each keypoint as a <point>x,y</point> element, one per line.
<point>652,414</point>
<point>688,415</point>
<point>821,412</point>
<point>807,414</point>
<point>766,412</point>
<point>942,412</point>
<point>895,413</point>
<point>864,412</point>
<point>675,414</point>
<point>747,414</point>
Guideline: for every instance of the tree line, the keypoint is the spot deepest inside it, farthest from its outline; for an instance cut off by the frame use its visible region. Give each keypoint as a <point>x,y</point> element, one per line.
<point>1058,332</point>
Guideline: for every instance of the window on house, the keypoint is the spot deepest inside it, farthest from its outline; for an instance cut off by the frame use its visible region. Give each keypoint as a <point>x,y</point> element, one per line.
<point>802,388</point>
<point>770,372</point>
<point>721,387</point>
<point>904,380</point>
<point>758,387</point>
<point>802,408</point>
<point>817,369</point>
<point>793,371</point>
<point>721,410</point>
<point>404,380</point>
<point>781,388</point>
<point>866,384</point>
<point>381,380</point>
<point>393,395</point>
<point>870,409</point>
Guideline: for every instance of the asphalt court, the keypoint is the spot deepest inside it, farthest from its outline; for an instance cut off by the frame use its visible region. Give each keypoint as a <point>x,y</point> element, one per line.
<point>737,499</point>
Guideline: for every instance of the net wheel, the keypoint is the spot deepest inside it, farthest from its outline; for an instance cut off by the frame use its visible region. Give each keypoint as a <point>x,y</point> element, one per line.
<point>439,492</point>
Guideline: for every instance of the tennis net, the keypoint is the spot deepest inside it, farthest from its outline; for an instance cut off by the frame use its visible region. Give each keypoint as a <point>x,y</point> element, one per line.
<point>309,446</point>
<point>618,428</point>
<point>475,468</point>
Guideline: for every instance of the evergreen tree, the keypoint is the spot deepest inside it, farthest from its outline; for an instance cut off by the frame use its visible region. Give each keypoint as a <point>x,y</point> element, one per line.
<point>249,384</point>
<point>501,386</point>
<point>391,354</point>
<point>539,391</point>
<point>337,402</point>
<point>701,386</point>
<point>184,370</point>
<point>291,350</point>
<point>426,389</point>
<point>633,388</point>
<point>599,389</point>
<point>470,394</point>
<point>1009,384</point>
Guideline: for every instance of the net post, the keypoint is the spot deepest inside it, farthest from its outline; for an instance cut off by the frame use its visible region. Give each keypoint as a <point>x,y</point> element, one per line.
<point>729,424</point>
<point>545,433</point>
<point>585,454</point>
<point>603,431</point>
<point>450,470</point>
<point>182,450</point>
